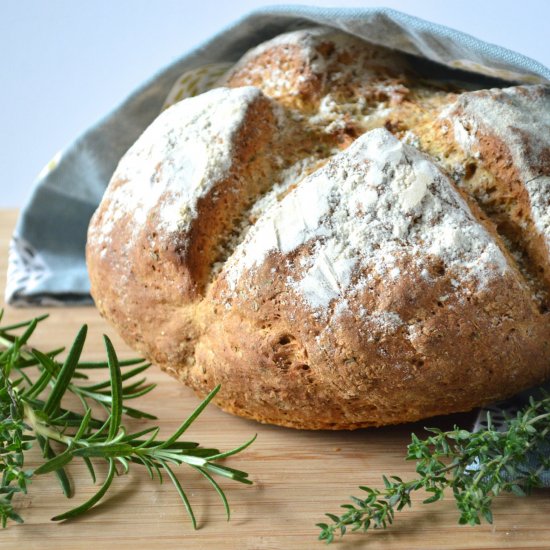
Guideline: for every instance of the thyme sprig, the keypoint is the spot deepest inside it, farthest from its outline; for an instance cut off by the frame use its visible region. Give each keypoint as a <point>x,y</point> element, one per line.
<point>474,466</point>
<point>31,412</point>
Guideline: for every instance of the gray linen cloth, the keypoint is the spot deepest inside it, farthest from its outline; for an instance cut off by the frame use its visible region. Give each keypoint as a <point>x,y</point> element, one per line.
<point>46,261</point>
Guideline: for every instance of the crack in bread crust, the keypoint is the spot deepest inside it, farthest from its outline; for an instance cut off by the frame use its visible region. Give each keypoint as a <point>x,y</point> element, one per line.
<point>501,181</point>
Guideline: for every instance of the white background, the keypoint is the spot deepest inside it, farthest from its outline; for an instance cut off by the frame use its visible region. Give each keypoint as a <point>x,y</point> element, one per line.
<point>66,63</point>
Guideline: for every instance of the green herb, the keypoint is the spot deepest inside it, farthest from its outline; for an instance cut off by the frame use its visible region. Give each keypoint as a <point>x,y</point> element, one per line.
<point>32,387</point>
<point>475,466</point>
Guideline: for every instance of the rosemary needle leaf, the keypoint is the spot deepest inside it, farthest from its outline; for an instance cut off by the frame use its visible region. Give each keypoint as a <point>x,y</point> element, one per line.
<point>90,467</point>
<point>235,450</point>
<point>60,473</point>
<point>179,432</point>
<point>95,499</point>
<point>105,364</point>
<point>125,464</point>
<point>136,435</point>
<point>116,389</point>
<point>157,470</point>
<point>217,488</point>
<point>146,463</point>
<point>8,328</point>
<point>125,376</point>
<point>180,491</point>
<point>230,473</point>
<point>24,338</point>
<point>66,373</point>
<point>55,463</point>
<point>40,385</point>
<point>83,425</point>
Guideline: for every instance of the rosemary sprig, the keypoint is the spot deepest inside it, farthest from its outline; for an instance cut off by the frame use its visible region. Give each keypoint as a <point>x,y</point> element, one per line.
<point>31,411</point>
<point>475,466</point>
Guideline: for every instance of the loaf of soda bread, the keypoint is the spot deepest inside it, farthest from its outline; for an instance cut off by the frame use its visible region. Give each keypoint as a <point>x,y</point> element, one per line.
<point>338,235</point>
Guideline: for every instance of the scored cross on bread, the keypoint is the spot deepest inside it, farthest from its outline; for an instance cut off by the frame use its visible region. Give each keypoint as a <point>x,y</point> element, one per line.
<point>336,237</point>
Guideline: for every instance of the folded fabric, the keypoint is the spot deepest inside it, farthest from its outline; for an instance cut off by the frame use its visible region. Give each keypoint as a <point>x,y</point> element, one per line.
<point>46,263</point>
<point>46,260</point>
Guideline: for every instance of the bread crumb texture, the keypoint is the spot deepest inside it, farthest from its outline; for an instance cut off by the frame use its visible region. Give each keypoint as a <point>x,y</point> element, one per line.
<point>340,235</point>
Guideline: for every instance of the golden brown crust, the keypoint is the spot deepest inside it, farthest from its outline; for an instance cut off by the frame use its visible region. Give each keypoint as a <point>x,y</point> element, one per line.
<point>281,365</point>
<point>200,299</point>
<point>299,69</point>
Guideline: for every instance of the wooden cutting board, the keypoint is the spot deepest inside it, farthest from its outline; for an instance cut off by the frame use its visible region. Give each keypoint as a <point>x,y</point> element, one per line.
<point>298,476</point>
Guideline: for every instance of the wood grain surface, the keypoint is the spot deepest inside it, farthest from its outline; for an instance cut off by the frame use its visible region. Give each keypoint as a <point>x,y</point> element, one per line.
<point>298,476</point>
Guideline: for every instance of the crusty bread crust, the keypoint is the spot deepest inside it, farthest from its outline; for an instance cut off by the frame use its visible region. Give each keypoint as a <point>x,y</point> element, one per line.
<point>338,241</point>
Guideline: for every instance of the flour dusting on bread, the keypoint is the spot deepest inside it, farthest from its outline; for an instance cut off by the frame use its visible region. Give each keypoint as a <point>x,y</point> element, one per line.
<point>179,158</point>
<point>336,237</point>
<point>378,200</point>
